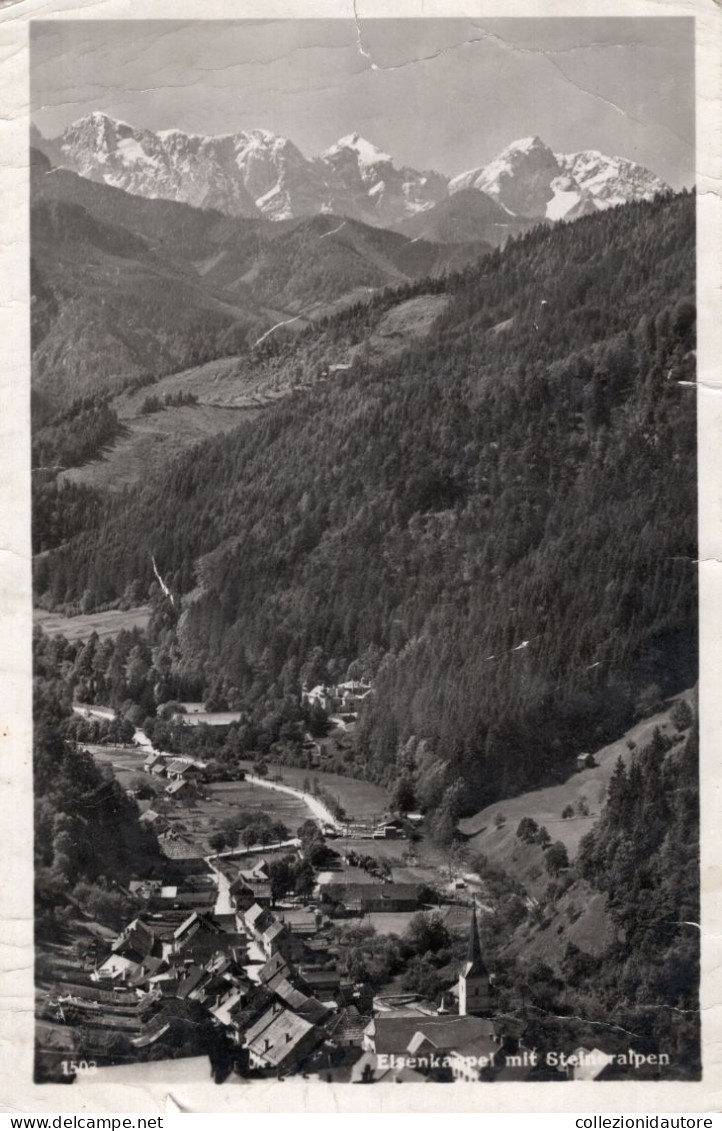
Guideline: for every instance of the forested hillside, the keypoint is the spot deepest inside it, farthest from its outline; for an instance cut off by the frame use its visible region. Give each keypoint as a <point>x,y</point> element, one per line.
<point>643,855</point>
<point>88,839</point>
<point>498,525</point>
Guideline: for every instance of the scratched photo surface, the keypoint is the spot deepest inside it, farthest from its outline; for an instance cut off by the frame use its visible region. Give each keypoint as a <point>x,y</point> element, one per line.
<point>365,536</point>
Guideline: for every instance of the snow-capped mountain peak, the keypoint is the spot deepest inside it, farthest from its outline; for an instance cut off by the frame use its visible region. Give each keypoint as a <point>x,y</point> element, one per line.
<point>528,179</point>
<point>523,145</point>
<point>610,180</point>
<point>364,183</point>
<point>366,152</point>
<point>518,178</point>
<point>98,118</point>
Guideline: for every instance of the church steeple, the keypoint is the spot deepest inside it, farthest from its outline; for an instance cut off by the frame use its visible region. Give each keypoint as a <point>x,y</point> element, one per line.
<point>474,961</point>
<point>474,983</point>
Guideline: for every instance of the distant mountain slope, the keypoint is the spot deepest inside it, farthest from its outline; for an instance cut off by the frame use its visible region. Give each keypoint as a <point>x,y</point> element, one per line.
<point>467,215</point>
<point>126,288</point>
<point>229,391</point>
<point>108,308</point>
<point>320,259</point>
<point>255,172</point>
<point>611,946</point>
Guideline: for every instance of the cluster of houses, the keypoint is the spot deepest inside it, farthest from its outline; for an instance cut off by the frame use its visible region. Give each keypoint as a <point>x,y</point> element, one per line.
<point>272,981</point>
<point>183,775</point>
<point>285,1008</point>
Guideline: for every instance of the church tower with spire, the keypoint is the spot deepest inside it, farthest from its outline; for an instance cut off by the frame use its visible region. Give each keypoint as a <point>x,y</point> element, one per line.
<point>474,983</point>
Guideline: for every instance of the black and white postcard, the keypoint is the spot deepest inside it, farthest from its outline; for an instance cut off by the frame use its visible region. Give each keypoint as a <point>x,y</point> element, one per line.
<point>354,416</point>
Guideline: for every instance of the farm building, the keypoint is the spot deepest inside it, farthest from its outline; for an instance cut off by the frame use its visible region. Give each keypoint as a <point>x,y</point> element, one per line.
<point>365,898</point>
<point>180,790</point>
<point>179,769</point>
<point>182,852</point>
<point>245,892</point>
<point>324,982</point>
<point>154,820</point>
<point>155,763</point>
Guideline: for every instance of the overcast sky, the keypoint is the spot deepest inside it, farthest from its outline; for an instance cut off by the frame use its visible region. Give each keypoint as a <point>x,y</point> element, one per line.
<point>440,94</point>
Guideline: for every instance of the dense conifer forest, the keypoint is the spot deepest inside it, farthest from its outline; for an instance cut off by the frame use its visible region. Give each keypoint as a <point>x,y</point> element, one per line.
<point>644,855</point>
<point>88,840</point>
<point>497,525</point>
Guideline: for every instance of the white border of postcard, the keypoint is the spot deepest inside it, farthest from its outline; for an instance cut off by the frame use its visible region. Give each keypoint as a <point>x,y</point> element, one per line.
<point>17,1092</point>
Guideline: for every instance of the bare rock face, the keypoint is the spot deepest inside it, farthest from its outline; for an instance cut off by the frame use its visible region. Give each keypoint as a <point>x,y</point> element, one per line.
<point>610,180</point>
<point>519,179</point>
<point>365,183</point>
<point>528,179</point>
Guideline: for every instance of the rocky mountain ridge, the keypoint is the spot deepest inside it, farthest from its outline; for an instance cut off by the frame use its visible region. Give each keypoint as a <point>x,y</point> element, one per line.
<point>256,173</point>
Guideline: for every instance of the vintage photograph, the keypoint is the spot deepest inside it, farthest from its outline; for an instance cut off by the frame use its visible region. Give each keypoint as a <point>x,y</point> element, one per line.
<point>365,550</point>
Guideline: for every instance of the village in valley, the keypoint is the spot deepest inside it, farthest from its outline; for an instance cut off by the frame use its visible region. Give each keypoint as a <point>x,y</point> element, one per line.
<point>253,941</point>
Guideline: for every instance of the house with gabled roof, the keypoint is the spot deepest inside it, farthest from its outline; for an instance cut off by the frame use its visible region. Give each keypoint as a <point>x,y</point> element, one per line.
<point>180,789</point>
<point>274,938</point>
<point>276,966</point>
<point>299,1002</point>
<point>152,820</point>
<point>393,1033</point>
<point>192,981</point>
<point>155,763</point>
<point>245,891</point>
<point>369,1070</point>
<point>301,920</point>
<point>256,920</point>
<point>194,923</point>
<point>182,852</point>
<point>280,1040</point>
<point>179,769</point>
<point>136,942</point>
<point>369,897</point>
<point>198,937</point>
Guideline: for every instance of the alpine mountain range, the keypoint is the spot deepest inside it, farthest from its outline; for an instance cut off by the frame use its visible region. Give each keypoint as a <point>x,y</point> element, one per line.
<point>258,174</point>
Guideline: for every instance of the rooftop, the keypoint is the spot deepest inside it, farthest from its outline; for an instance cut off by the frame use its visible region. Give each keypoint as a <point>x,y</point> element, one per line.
<point>278,1034</point>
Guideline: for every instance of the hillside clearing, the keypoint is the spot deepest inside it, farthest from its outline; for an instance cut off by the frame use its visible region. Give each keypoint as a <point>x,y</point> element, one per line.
<point>152,441</point>
<point>106,624</point>
<point>501,844</point>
